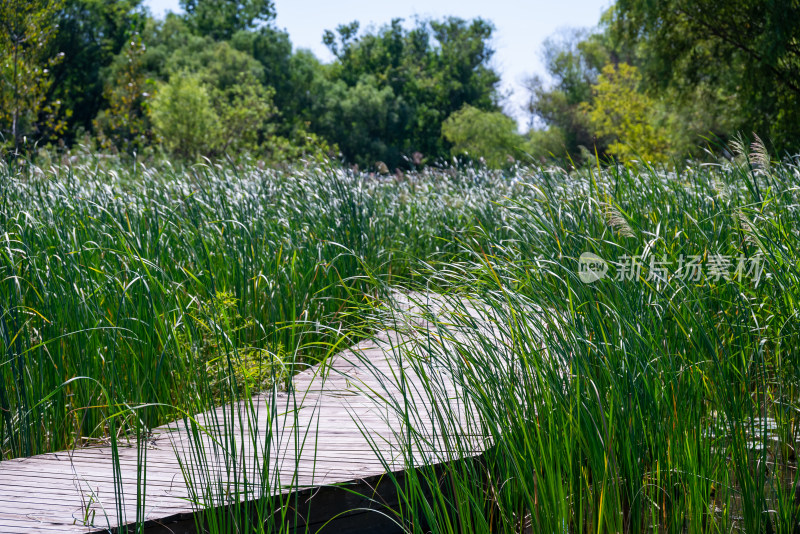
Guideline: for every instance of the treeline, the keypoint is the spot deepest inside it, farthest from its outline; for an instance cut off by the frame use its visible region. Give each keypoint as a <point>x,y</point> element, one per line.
<point>651,82</point>
<point>665,79</point>
<point>220,79</point>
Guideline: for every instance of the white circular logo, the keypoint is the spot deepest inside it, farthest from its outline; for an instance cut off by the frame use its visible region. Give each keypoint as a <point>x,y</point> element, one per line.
<point>591,268</point>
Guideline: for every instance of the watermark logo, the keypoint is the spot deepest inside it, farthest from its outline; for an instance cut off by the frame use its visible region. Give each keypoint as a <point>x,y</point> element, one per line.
<point>689,268</point>
<point>591,268</point>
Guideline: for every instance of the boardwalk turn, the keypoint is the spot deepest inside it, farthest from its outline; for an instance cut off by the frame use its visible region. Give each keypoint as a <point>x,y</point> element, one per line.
<point>367,410</point>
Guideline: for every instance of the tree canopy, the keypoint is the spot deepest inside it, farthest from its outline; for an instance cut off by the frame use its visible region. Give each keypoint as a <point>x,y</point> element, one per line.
<point>28,30</point>
<point>682,43</point>
<point>645,83</point>
<point>410,80</point>
<point>221,19</point>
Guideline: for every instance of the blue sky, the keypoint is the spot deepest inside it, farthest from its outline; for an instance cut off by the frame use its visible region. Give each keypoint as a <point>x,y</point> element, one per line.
<point>521,26</point>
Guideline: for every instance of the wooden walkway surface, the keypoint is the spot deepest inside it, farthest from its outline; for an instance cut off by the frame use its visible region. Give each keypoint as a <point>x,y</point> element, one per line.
<point>346,423</point>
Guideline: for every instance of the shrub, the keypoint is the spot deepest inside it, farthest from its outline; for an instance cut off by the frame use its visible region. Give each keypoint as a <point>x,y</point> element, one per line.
<point>184,118</point>
<point>486,135</point>
<point>626,115</point>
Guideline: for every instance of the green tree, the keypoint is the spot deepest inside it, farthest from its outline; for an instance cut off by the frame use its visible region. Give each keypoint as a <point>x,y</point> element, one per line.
<point>272,49</point>
<point>184,118</point>
<point>91,34</point>
<point>489,136</point>
<point>26,59</point>
<point>124,125</point>
<point>301,99</point>
<point>431,70</point>
<point>244,109</point>
<point>573,59</point>
<point>221,19</point>
<point>684,43</point>
<point>234,81</point>
<point>362,120</point>
<point>218,64</point>
<point>621,112</point>
<point>544,145</point>
<point>228,83</point>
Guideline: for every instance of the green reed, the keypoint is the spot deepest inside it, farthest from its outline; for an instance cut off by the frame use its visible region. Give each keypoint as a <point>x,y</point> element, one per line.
<point>627,405</point>
<point>133,276</point>
<point>644,403</point>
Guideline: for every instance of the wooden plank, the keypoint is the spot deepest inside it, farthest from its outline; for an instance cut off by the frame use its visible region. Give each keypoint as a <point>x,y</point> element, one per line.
<point>343,424</point>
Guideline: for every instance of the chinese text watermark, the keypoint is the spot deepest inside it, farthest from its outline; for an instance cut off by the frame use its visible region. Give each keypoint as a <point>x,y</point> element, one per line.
<point>689,268</point>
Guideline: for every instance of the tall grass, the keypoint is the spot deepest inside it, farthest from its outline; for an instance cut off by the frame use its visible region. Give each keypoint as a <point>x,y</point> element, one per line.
<point>173,288</point>
<point>629,405</point>
<point>646,403</point>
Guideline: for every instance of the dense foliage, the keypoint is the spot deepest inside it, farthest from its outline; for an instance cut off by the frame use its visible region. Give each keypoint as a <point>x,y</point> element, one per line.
<point>706,72</point>
<point>660,395</point>
<point>175,235</point>
<point>681,44</point>
<point>110,71</point>
<point>88,71</point>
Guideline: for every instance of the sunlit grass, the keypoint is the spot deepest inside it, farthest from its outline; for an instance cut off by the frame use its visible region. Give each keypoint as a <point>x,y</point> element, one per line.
<point>177,286</point>
<point>637,404</point>
<point>627,405</point>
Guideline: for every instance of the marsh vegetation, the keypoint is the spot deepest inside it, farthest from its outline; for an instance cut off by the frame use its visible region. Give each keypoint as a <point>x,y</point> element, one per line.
<point>659,398</point>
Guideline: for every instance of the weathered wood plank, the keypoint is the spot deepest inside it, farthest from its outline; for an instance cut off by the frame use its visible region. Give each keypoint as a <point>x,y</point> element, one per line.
<point>344,423</point>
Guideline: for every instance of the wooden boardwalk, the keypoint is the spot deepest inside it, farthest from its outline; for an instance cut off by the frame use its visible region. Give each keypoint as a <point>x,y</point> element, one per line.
<point>373,408</point>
